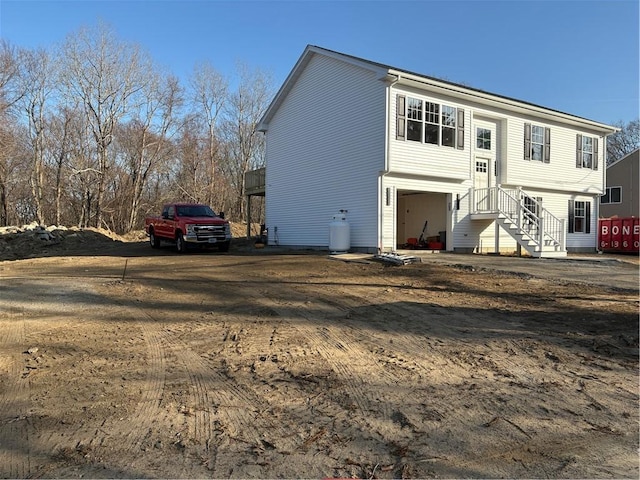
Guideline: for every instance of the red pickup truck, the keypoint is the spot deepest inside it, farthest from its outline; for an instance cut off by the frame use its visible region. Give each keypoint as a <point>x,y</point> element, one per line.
<point>187,224</point>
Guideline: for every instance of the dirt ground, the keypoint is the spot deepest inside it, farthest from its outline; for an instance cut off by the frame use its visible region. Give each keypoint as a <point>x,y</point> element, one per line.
<point>120,361</point>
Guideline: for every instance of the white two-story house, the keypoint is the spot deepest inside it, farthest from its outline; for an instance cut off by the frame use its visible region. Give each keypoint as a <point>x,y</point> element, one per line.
<point>410,156</point>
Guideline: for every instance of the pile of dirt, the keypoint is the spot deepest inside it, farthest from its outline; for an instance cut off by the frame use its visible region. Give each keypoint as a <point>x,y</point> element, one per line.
<point>36,240</point>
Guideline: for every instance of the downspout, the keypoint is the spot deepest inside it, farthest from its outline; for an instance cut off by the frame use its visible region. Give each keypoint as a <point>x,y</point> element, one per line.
<point>384,172</point>
<point>604,190</point>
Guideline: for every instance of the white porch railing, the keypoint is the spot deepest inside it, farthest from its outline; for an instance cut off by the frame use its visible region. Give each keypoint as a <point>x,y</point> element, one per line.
<point>521,215</point>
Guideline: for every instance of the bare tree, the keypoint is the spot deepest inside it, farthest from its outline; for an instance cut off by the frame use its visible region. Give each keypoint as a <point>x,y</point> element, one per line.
<point>10,94</point>
<point>83,174</point>
<point>145,141</point>
<point>209,90</point>
<point>7,146</point>
<point>10,89</point>
<point>64,129</point>
<point>37,80</point>
<point>105,75</point>
<point>189,174</point>
<point>245,146</point>
<point>623,142</point>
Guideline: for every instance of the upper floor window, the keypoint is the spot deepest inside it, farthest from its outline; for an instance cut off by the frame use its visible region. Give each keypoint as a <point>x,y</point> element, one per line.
<point>612,195</point>
<point>586,152</point>
<point>537,143</point>
<point>414,119</point>
<point>483,139</point>
<point>429,122</point>
<point>432,127</point>
<point>448,126</point>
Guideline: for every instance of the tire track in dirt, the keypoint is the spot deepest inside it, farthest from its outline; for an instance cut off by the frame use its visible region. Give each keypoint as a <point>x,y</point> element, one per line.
<point>353,348</point>
<point>220,402</point>
<point>148,407</point>
<point>528,446</point>
<point>15,452</point>
<point>135,428</point>
<point>238,409</point>
<point>421,351</point>
<point>22,449</point>
<point>220,410</point>
<point>160,342</point>
<point>340,349</point>
<point>405,339</point>
<point>199,409</point>
<point>80,436</point>
<point>38,446</point>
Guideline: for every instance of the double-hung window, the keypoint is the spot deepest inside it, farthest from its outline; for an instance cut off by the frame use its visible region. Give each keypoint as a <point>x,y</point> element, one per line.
<point>612,195</point>
<point>586,152</point>
<point>448,126</point>
<point>429,122</point>
<point>432,126</point>
<point>579,216</point>
<point>537,143</point>
<point>414,119</point>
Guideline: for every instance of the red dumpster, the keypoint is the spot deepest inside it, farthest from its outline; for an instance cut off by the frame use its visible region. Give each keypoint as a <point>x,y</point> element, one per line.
<point>619,234</point>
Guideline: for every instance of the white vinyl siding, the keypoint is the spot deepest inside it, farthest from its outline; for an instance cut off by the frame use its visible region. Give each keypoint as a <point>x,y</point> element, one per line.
<point>325,149</point>
<point>560,173</point>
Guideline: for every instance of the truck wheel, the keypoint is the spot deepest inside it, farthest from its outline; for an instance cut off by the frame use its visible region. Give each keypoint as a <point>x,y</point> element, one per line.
<point>153,240</point>
<point>224,246</point>
<point>181,246</point>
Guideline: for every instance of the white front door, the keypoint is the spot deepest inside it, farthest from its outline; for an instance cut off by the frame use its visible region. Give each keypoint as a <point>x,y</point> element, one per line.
<point>482,182</point>
<point>486,149</point>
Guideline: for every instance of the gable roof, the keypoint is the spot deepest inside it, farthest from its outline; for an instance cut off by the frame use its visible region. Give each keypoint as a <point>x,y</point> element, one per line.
<point>406,77</point>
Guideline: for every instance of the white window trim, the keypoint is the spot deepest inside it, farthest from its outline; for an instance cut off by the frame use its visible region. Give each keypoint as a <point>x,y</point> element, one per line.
<point>457,123</point>
<point>608,195</point>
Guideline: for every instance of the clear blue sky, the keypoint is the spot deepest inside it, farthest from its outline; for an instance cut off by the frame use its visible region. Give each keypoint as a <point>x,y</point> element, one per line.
<point>576,56</point>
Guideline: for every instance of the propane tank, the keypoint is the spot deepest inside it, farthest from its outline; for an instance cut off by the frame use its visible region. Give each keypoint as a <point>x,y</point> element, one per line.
<point>339,233</point>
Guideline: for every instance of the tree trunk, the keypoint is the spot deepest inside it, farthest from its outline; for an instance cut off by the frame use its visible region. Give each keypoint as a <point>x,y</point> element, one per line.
<point>3,205</point>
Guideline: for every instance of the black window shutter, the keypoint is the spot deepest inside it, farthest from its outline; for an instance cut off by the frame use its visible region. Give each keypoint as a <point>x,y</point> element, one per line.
<point>587,217</point>
<point>400,118</point>
<point>595,154</point>
<point>460,130</point>
<point>579,151</point>
<point>547,145</point>
<point>527,141</point>
<point>571,216</point>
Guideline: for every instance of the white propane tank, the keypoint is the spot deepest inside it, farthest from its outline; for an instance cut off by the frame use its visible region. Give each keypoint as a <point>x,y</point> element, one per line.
<point>339,234</point>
